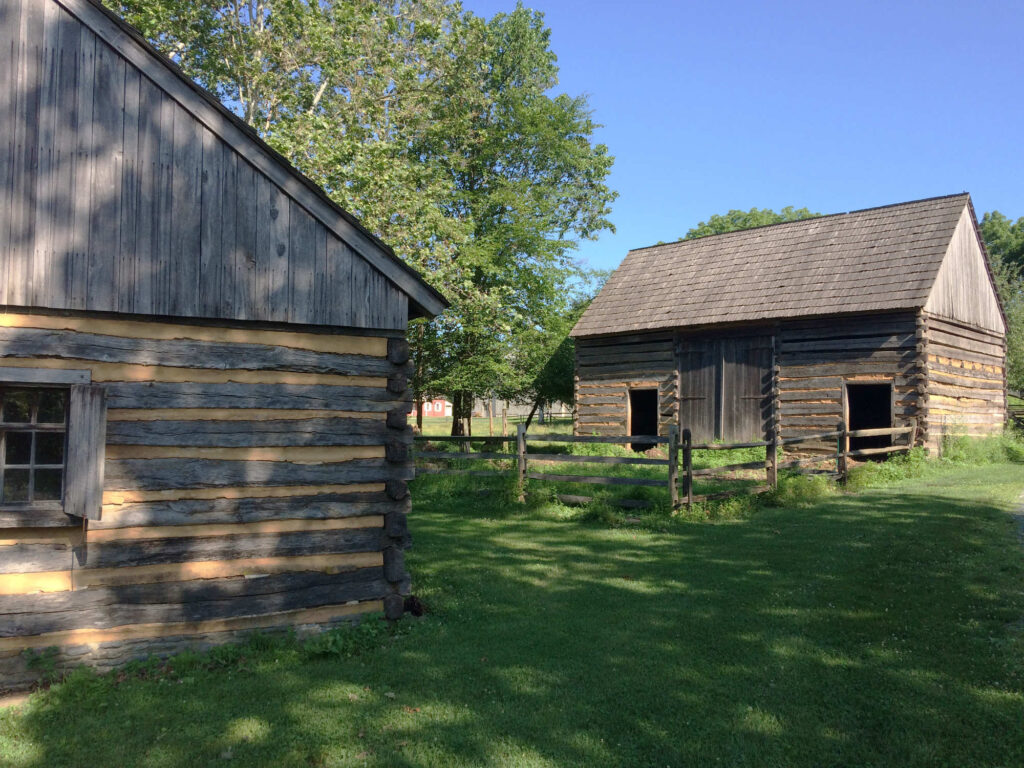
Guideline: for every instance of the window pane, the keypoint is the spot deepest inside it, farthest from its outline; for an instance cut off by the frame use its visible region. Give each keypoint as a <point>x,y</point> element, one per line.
<point>15,485</point>
<point>17,406</point>
<point>19,448</point>
<point>48,485</point>
<point>51,406</point>
<point>49,447</point>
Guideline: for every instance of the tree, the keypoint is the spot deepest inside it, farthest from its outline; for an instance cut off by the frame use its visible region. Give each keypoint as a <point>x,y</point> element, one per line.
<point>1004,241</point>
<point>555,378</point>
<point>439,130</point>
<point>756,217</point>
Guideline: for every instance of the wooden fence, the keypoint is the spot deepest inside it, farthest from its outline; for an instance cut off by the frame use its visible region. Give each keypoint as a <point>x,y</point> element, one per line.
<point>680,472</point>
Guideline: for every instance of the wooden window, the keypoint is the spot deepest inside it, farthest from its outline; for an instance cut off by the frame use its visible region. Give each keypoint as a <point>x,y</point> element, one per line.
<point>52,446</point>
<point>33,434</point>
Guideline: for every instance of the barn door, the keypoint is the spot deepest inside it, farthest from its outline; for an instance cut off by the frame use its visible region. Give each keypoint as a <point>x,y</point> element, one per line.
<point>697,388</point>
<point>746,388</point>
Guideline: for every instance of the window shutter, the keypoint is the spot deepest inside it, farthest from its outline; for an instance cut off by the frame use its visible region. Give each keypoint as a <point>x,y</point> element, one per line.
<point>87,436</point>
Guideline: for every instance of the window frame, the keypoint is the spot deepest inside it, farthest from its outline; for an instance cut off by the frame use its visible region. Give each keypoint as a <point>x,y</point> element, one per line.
<point>47,512</point>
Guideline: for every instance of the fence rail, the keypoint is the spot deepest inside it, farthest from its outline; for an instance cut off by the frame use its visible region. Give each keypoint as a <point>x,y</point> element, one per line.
<point>680,448</point>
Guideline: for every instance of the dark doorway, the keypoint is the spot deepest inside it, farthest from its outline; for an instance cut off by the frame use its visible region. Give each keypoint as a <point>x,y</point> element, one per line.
<point>643,415</point>
<point>869,406</point>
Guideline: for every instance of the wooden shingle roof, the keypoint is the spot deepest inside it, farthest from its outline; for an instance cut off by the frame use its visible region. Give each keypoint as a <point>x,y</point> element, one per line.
<point>864,261</point>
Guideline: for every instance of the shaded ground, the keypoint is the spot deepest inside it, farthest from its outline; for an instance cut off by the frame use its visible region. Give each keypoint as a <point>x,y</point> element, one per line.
<point>877,629</point>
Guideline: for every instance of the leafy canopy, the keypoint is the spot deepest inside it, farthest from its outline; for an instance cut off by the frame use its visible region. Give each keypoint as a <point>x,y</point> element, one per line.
<point>1004,240</point>
<point>756,217</point>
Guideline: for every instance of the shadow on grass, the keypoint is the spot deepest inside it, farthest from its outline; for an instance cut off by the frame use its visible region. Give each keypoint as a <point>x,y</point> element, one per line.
<point>873,629</point>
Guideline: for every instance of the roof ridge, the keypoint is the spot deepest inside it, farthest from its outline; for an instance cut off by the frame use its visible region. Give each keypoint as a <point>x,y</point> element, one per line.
<point>804,220</point>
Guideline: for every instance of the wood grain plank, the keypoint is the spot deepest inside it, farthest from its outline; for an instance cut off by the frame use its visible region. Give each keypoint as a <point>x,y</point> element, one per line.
<point>186,216</point>
<point>25,159</point>
<point>148,231</point>
<point>302,265</point>
<point>315,342</point>
<point>46,189</point>
<point>314,507</point>
<point>136,632</point>
<point>231,395</point>
<point>10,37</point>
<point>211,256</point>
<point>168,474</point>
<point>105,193</point>
<point>189,601</point>
<point>176,550</point>
<point>128,252</point>
<point>277,432</point>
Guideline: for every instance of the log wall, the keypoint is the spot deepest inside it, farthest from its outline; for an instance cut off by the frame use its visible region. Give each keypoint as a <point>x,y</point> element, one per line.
<point>254,479</point>
<point>814,358</point>
<point>943,373</point>
<point>608,367</point>
<point>965,379</point>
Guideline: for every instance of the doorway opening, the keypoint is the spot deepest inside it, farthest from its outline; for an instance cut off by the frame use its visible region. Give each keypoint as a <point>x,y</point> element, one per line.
<point>869,406</point>
<point>643,415</point>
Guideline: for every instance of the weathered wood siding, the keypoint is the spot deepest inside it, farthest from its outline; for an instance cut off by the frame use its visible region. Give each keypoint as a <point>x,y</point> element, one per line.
<point>963,290</point>
<point>814,359</point>
<point>966,379</point>
<point>253,479</point>
<point>114,197</point>
<point>725,385</point>
<point>607,368</point>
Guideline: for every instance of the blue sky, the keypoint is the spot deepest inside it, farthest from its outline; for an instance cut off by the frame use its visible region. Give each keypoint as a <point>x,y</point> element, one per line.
<point>711,105</point>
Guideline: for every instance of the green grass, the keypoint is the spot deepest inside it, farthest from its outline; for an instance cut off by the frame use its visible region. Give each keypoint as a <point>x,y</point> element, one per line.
<point>876,629</point>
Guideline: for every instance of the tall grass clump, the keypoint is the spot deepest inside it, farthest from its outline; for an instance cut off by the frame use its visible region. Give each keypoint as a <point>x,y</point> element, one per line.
<point>900,466</point>
<point>796,490</point>
<point>995,449</point>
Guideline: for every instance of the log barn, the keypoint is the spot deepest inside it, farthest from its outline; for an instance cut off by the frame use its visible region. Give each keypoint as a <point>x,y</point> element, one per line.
<point>203,365</point>
<point>874,318</point>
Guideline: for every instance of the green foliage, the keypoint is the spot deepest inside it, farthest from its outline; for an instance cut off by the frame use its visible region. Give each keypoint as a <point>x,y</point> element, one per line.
<point>347,642</point>
<point>44,663</point>
<point>1004,241</point>
<point>898,467</point>
<point>756,217</point>
<point>997,449</point>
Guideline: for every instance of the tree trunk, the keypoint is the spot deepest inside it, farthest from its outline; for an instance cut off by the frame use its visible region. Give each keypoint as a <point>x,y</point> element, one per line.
<point>532,411</point>
<point>462,409</point>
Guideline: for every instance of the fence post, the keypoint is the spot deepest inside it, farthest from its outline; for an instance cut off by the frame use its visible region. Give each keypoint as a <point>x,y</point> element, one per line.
<point>841,450</point>
<point>913,435</point>
<point>688,467</point>
<point>673,465</point>
<point>504,422</point>
<point>771,458</point>
<point>521,452</point>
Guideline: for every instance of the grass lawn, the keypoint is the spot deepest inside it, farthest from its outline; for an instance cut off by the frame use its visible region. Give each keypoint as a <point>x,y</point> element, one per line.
<point>876,629</point>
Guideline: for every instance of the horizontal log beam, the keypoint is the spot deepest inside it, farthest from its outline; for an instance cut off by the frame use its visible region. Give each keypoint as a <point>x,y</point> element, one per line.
<point>186,601</point>
<point>596,438</point>
<point>596,480</point>
<point>154,474</point>
<point>568,457</point>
